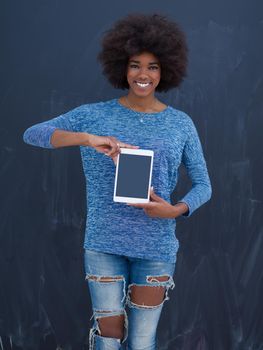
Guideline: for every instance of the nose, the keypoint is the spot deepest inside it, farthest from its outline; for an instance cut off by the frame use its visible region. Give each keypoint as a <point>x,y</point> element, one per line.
<point>142,74</point>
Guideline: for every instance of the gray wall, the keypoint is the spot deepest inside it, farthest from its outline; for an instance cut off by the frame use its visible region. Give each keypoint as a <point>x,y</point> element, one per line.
<point>48,66</point>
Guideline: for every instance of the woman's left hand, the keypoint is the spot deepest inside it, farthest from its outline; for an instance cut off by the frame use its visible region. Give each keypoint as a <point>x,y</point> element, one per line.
<point>158,207</point>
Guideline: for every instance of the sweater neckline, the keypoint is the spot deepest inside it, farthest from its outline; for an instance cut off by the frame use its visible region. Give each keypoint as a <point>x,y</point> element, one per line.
<point>141,113</point>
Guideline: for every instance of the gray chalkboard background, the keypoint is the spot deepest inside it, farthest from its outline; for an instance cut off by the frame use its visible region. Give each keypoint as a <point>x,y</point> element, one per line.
<point>48,66</point>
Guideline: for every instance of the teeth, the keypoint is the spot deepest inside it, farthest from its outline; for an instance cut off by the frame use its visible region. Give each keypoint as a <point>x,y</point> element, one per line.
<point>142,84</point>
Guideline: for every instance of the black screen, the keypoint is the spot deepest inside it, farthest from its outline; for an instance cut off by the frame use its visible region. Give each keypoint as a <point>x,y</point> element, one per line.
<point>133,176</point>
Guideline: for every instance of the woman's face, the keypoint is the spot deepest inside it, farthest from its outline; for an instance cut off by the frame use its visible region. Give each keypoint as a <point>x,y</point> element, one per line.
<point>143,74</point>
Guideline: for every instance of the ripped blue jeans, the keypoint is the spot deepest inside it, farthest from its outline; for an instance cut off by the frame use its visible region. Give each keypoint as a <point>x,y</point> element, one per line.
<point>110,279</point>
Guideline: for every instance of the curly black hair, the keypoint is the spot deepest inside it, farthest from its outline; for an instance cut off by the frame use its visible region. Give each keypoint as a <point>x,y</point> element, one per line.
<point>137,33</point>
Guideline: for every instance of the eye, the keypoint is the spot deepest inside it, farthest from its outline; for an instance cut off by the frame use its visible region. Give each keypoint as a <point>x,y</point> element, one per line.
<point>132,65</point>
<point>154,67</point>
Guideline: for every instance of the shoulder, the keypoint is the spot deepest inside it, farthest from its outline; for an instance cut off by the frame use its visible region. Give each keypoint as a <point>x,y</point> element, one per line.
<point>182,118</point>
<point>95,108</point>
<point>91,106</point>
<point>99,105</point>
<point>91,109</point>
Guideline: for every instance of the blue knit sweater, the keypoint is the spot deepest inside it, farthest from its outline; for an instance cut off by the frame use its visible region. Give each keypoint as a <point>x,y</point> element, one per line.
<point>115,227</point>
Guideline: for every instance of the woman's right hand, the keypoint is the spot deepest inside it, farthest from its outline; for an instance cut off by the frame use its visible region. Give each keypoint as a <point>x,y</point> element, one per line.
<point>108,145</point>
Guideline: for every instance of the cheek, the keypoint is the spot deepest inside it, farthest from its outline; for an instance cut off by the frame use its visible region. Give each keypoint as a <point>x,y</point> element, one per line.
<point>157,78</point>
<point>129,79</point>
<point>131,75</point>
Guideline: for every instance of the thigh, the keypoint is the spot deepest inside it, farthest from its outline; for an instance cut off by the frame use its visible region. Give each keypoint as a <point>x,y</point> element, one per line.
<point>106,275</point>
<point>150,273</point>
<point>147,291</point>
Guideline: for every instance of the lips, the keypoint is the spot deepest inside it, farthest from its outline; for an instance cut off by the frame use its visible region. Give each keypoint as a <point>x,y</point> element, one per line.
<point>142,84</point>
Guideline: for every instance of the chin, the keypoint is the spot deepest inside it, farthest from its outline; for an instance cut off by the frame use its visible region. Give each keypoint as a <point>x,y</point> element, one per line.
<point>141,93</point>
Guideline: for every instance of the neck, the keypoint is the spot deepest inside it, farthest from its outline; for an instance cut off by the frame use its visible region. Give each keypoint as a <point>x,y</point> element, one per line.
<point>142,103</point>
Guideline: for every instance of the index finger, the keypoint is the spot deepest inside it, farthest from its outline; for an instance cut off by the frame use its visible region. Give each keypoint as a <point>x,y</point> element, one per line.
<point>127,145</point>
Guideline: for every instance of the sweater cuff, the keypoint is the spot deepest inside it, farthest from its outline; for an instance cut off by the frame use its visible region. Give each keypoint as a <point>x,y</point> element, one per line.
<point>39,135</point>
<point>189,212</point>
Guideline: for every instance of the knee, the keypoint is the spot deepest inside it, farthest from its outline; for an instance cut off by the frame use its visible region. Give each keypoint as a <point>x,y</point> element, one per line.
<point>150,296</point>
<point>112,326</point>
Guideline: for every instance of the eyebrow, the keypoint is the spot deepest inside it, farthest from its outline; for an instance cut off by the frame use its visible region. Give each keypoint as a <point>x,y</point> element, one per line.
<point>139,62</point>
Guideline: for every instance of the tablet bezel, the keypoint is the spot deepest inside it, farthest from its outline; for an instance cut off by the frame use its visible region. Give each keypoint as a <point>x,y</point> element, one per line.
<point>140,152</point>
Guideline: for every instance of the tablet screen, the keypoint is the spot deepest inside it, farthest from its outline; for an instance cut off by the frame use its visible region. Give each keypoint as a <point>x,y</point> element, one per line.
<point>133,175</point>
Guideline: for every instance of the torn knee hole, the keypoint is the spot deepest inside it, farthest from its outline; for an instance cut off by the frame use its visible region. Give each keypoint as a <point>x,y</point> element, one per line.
<point>104,278</point>
<point>104,312</point>
<point>157,278</point>
<point>112,326</point>
<point>147,296</point>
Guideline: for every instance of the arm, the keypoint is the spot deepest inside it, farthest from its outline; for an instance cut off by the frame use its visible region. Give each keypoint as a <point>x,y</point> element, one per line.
<point>61,138</point>
<point>64,131</point>
<point>194,161</point>
<point>56,132</point>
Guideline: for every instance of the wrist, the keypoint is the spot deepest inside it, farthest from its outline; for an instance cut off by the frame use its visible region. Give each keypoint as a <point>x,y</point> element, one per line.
<point>84,139</point>
<point>180,209</point>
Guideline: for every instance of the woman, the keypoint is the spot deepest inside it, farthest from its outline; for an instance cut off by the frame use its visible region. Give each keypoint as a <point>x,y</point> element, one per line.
<point>130,250</point>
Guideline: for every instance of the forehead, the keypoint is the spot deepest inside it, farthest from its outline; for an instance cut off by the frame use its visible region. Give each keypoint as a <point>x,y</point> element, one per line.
<point>144,57</point>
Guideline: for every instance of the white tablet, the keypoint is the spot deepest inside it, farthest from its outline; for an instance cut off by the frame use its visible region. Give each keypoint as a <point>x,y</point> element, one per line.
<point>133,176</point>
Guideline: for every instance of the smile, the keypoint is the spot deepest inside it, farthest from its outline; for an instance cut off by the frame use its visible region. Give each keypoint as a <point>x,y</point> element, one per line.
<point>142,85</point>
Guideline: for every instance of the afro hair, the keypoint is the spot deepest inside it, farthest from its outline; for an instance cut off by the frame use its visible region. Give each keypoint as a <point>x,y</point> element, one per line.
<point>137,33</point>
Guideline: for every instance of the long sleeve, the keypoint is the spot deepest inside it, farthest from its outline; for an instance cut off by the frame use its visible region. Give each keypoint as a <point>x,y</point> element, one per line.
<point>195,164</point>
<point>40,134</point>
